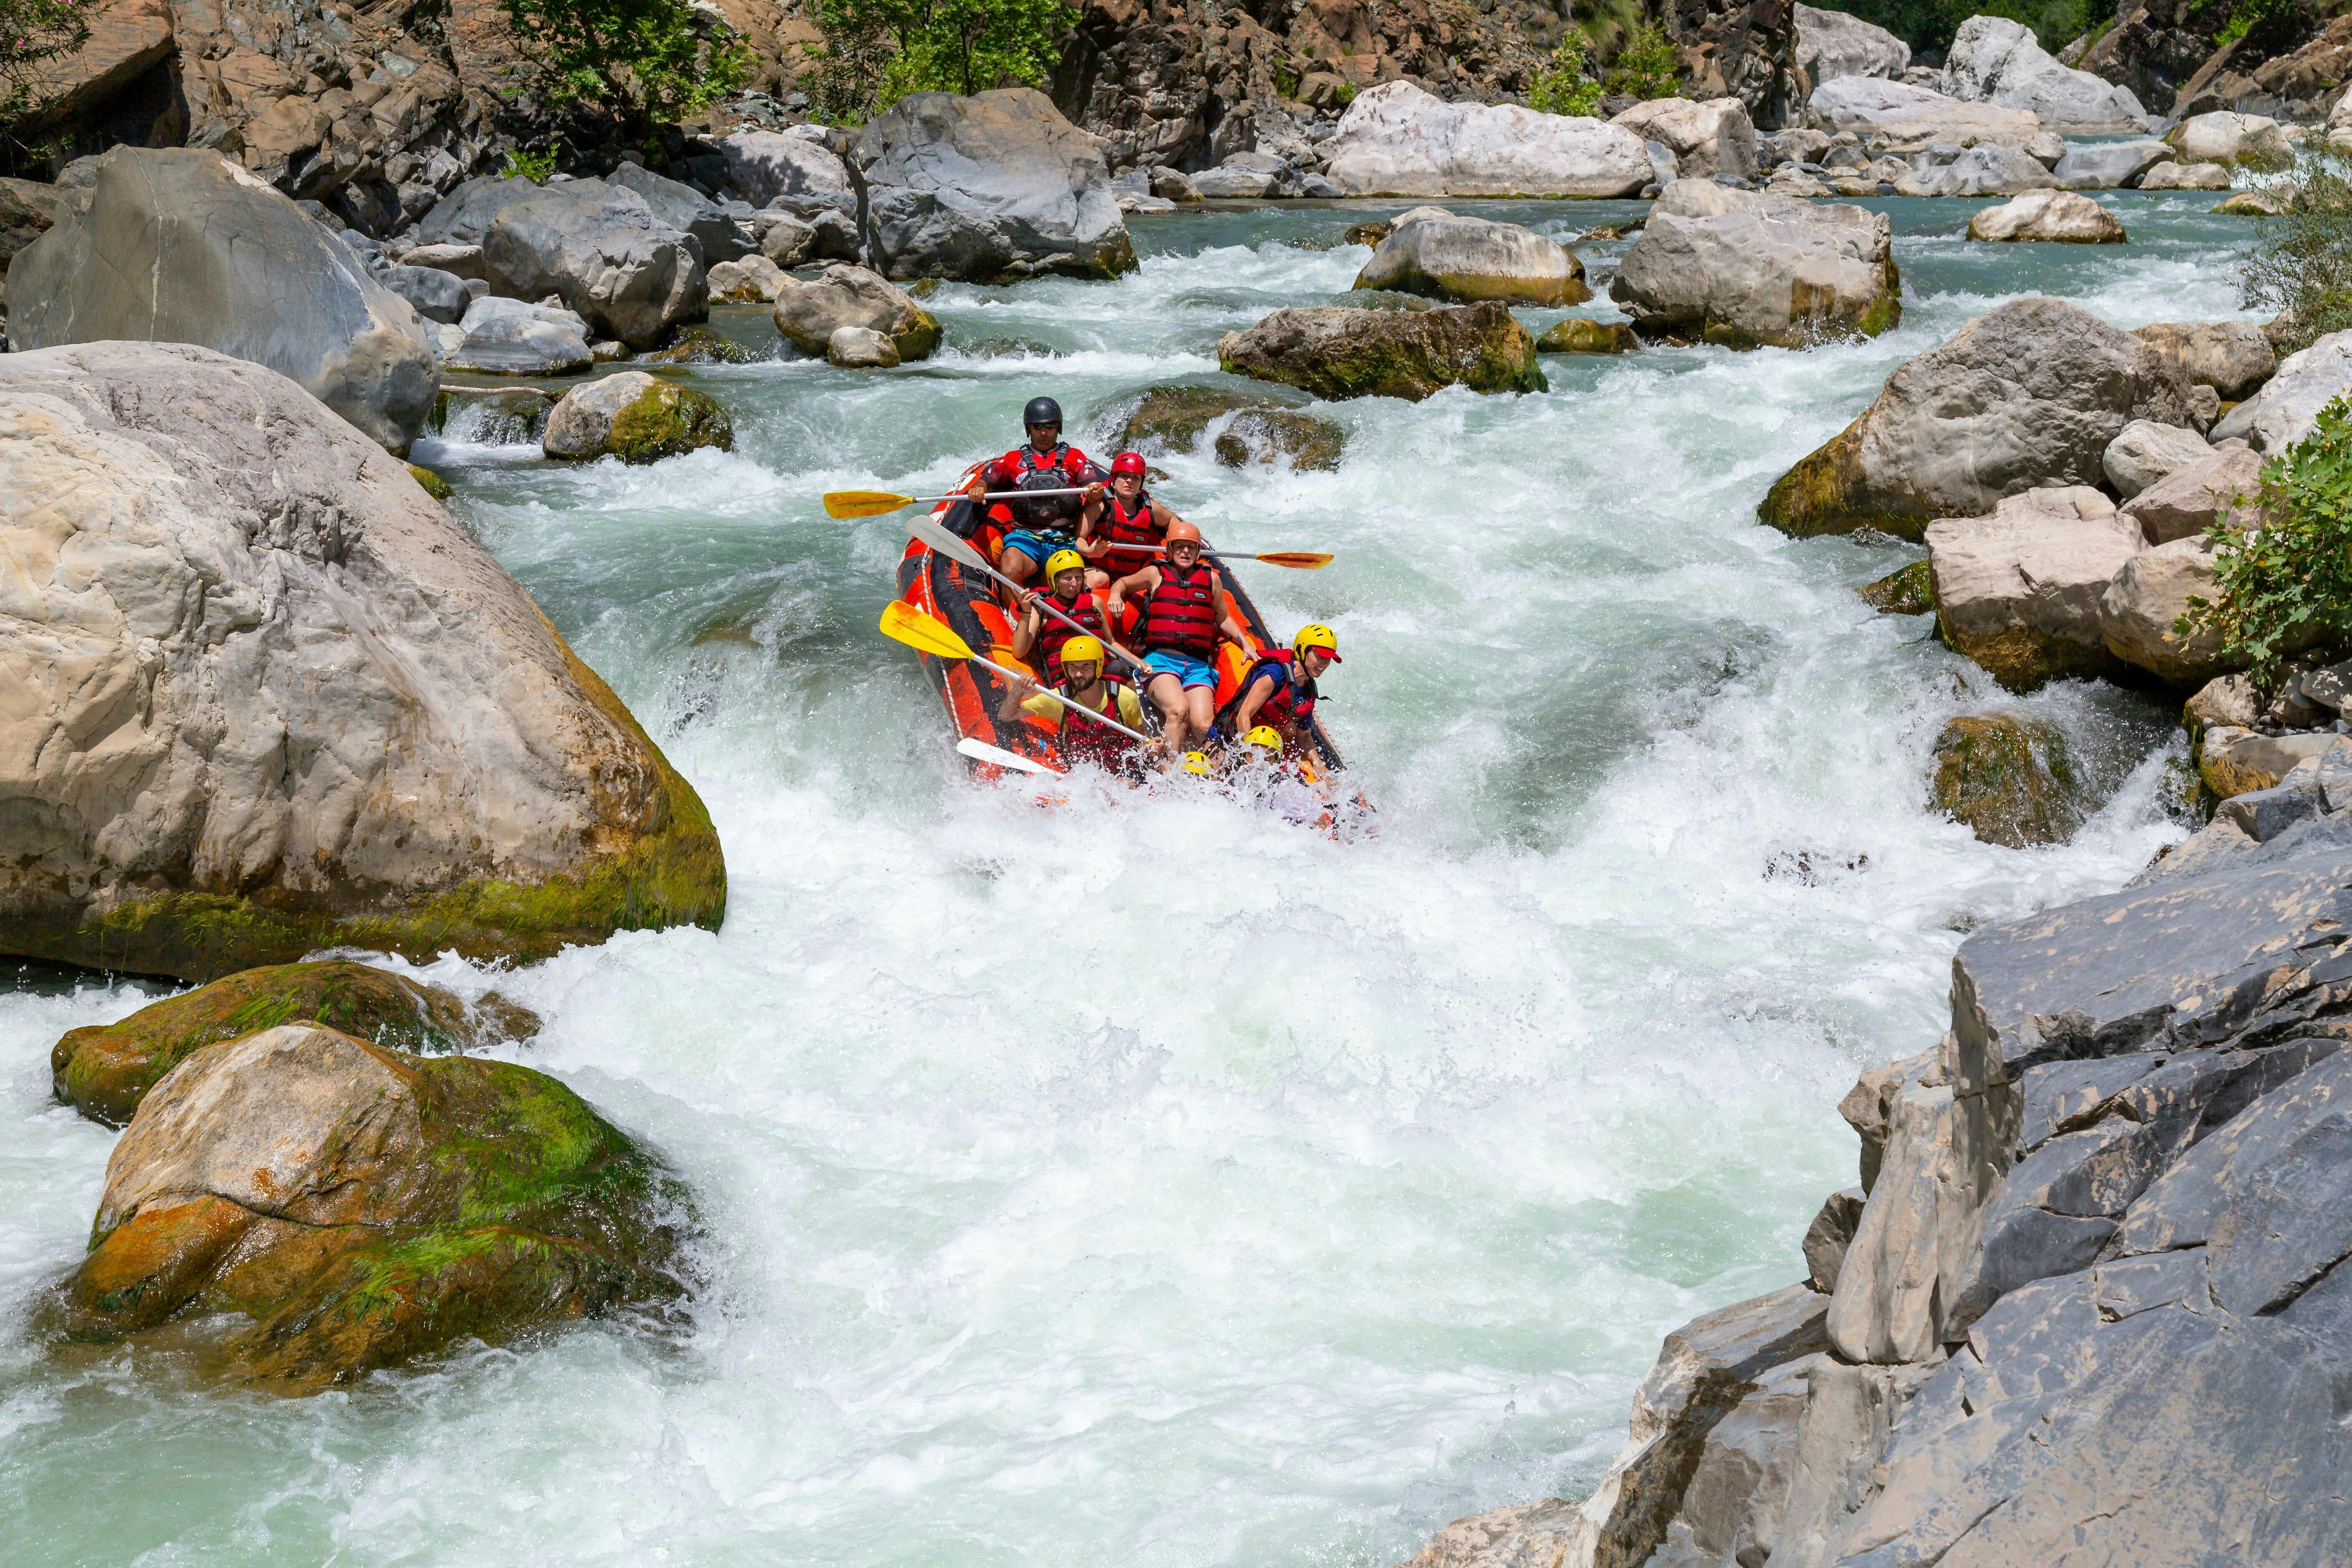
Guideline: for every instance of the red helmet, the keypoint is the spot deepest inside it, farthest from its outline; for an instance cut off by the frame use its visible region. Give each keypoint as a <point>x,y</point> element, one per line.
<point>1126,463</point>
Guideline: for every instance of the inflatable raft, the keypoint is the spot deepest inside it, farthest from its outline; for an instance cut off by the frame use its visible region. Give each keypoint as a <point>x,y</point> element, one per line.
<point>967,602</point>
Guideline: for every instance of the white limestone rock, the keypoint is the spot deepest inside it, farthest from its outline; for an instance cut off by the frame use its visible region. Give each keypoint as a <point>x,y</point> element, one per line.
<point>1995,60</point>
<point>1399,141</point>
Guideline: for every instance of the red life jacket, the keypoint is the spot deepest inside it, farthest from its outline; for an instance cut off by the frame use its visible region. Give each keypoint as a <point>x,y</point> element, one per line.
<point>1122,527</point>
<point>1182,614</point>
<point>1030,469</point>
<point>1083,740</point>
<point>1293,702</point>
<point>1053,633</point>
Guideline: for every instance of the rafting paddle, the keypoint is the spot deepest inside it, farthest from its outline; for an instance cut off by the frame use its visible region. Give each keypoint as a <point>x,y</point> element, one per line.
<point>980,751</point>
<point>1297,559</point>
<point>925,635</point>
<point>874,503</point>
<point>937,537</point>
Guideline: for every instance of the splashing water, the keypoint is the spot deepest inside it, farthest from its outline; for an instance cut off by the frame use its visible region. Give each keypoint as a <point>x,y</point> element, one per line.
<point>1150,1180</point>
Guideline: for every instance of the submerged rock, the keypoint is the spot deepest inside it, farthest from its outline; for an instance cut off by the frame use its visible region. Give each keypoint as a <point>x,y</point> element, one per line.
<point>1430,251</point>
<point>808,313</point>
<point>1908,592</point>
<point>500,416</point>
<point>104,1070</point>
<point>1397,140</point>
<point>331,808</point>
<point>2029,394</point>
<point>360,1205</point>
<point>1582,335</point>
<point>636,418</point>
<point>1273,434</point>
<point>2052,216</point>
<point>2019,591</point>
<point>1746,270</point>
<point>1336,353</point>
<point>1173,419</point>
<point>701,346</point>
<point>2006,780</point>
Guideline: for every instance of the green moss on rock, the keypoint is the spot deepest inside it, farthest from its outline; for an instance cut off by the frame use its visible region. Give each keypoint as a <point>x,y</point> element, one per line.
<point>701,346</point>
<point>669,421</point>
<point>1908,592</point>
<point>2008,780</point>
<point>1267,435</point>
<point>1579,335</point>
<point>1824,494</point>
<point>1337,352</point>
<point>432,484</point>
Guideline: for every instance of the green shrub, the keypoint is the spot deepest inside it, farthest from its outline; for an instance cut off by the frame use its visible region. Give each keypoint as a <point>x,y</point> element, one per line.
<point>1565,89</point>
<point>878,51</point>
<point>649,59</point>
<point>1647,66</point>
<point>32,34</point>
<point>524,164</point>
<point>2299,265</point>
<point>2288,586</point>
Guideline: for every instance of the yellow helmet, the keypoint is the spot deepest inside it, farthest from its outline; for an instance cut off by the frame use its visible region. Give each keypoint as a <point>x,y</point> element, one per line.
<point>1196,762</point>
<point>1081,651</point>
<point>1063,561</point>
<point>1264,735</point>
<point>1317,637</point>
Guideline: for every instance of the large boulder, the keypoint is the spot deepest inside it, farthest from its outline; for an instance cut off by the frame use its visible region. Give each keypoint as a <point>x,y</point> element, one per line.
<point>604,254</point>
<point>1987,169</point>
<point>1831,44</point>
<point>2145,452</point>
<point>723,236</point>
<point>2150,593</point>
<point>2283,412</point>
<point>2029,394</point>
<point>179,245</point>
<point>1431,251</point>
<point>809,312</point>
<point>503,336</point>
<point>1742,269</point>
<point>272,698</point>
<point>1707,139</point>
<point>1866,104</point>
<point>792,170</point>
<point>1398,141</point>
<point>636,418</point>
<point>463,215</point>
<point>2110,165</point>
<point>2050,215</point>
<point>433,294</point>
<point>2008,780</point>
<point>1995,60</point>
<point>1337,352</point>
<point>2019,591</point>
<point>989,188</point>
<point>358,1205</point>
<point>106,1070</point>
<point>2233,358</point>
<point>2248,140</point>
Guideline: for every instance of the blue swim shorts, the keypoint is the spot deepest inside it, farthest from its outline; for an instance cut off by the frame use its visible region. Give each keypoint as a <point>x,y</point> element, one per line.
<point>1038,547</point>
<point>1187,669</point>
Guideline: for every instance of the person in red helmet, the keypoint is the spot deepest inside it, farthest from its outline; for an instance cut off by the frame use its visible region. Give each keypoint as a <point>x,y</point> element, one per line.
<point>1124,529</point>
<point>1183,618</point>
<point>1044,462</point>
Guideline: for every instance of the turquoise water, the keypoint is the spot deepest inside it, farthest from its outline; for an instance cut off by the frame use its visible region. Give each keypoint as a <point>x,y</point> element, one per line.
<point>1150,1180</point>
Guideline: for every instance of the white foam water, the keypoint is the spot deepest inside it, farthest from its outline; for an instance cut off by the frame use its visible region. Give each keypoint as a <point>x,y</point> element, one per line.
<point>1148,1179</point>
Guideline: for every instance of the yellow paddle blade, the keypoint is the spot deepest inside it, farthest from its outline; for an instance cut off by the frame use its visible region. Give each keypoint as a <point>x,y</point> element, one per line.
<point>863,503</point>
<point>1304,560</point>
<point>909,625</point>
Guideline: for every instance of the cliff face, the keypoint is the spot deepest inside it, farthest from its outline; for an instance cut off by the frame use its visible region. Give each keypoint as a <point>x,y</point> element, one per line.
<point>2084,1306</point>
<point>2171,54</point>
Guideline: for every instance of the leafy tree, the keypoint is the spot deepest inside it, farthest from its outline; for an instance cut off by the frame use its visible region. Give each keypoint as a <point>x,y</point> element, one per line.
<point>1647,66</point>
<point>2287,585</point>
<point>653,59</point>
<point>2301,262</point>
<point>878,51</point>
<point>32,34</point>
<point>1565,89</point>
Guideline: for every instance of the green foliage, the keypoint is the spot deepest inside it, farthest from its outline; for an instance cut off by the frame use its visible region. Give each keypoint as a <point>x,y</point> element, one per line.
<point>524,164</point>
<point>878,51</point>
<point>32,34</point>
<point>1930,23</point>
<point>1647,66</point>
<point>1606,23</point>
<point>2299,265</point>
<point>2268,19</point>
<point>653,59</point>
<point>2287,585</point>
<point>1566,89</point>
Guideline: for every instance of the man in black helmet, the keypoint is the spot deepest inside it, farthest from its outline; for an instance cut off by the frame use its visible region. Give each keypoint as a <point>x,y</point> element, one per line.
<point>1046,523</point>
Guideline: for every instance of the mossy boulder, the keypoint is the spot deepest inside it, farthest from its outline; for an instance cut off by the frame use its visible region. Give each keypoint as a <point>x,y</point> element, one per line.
<point>1910,590</point>
<point>105,1070</point>
<point>2008,780</point>
<point>1279,434</point>
<point>1336,353</point>
<point>1257,429</point>
<point>701,346</point>
<point>635,417</point>
<point>359,1205</point>
<point>491,417</point>
<point>432,484</point>
<point>1370,233</point>
<point>1579,335</point>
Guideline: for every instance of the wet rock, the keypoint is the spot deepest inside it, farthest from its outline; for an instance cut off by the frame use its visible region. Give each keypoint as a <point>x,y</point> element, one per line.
<point>1830,1233</point>
<point>2186,177</point>
<point>104,1070</point>
<point>1172,419</point>
<point>701,346</point>
<point>1831,44</point>
<point>2029,394</point>
<point>2052,216</point>
<point>604,253</point>
<point>1431,252</point>
<point>435,295</point>
<point>1748,270</point>
<point>2148,596</point>
<point>1336,353</point>
<point>2219,488</point>
<point>1987,169</point>
<point>2283,412</point>
<point>1502,1538</point>
<point>2008,780</point>
<point>179,245</point>
<point>2145,452</point>
<point>988,188</point>
<point>1707,139</point>
<point>2110,165</point>
<point>636,418</point>
<point>1995,60</point>
<point>860,348</point>
<point>2019,592</point>
<point>791,169</point>
<point>546,818</point>
<point>497,336</point>
<point>2233,358</point>
<point>1910,590</point>
<point>1266,435</point>
<point>1582,335</point>
<point>501,417</point>
<point>361,1206</point>
<point>2246,139</point>
<point>1399,141</point>
<point>432,484</point>
<point>809,313</point>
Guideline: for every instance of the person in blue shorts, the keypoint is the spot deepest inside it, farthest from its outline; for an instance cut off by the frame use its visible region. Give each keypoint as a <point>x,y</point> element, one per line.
<point>1185,615</point>
<point>1045,462</point>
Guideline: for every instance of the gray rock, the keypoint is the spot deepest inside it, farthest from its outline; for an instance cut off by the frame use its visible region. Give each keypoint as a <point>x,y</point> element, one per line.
<point>2144,451</point>
<point>988,188</point>
<point>723,236</point>
<point>2140,613</point>
<point>601,251</point>
<point>2196,495</point>
<point>1702,140</point>
<point>1869,1106</point>
<point>1431,252</point>
<point>2065,1096</point>
<point>1529,1533</point>
<point>2288,405</point>
<point>1987,169</point>
<point>1729,267</point>
<point>792,170</point>
<point>2233,358</point>
<point>809,313</point>
<point>506,337</point>
<point>2264,814</point>
<point>2110,165</point>
<point>785,240</point>
<point>437,296</point>
<point>860,348</point>
<point>457,260</point>
<point>1829,1236</point>
<point>1832,44</point>
<point>1227,184</point>
<point>176,244</point>
<point>1995,60</point>
<point>2020,591</point>
<point>463,216</point>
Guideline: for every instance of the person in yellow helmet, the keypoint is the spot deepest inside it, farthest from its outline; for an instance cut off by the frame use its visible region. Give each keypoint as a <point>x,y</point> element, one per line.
<point>1081,739</point>
<point>1279,690</point>
<point>1040,637</point>
<point>1258,764</point>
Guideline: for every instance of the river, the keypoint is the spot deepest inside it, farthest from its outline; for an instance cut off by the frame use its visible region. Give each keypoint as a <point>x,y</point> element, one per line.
<point>1150,1180</point>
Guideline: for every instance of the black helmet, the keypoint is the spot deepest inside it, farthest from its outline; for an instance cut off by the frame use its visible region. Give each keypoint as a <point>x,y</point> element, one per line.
<point>1042,410</point>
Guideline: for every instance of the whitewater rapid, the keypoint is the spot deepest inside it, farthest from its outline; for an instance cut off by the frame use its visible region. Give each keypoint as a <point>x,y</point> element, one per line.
<point>1150,1181</point>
